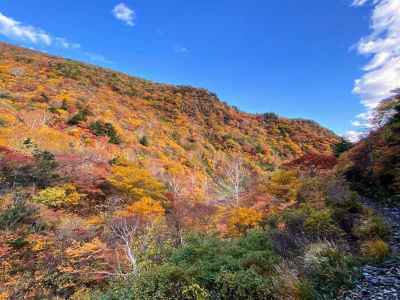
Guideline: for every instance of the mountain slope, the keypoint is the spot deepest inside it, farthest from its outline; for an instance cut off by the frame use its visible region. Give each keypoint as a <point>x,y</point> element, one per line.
<point>54,102</point>
<point>114,184</point>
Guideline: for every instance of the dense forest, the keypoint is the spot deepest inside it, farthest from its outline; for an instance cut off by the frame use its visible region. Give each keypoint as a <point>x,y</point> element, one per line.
<point>115,187</point>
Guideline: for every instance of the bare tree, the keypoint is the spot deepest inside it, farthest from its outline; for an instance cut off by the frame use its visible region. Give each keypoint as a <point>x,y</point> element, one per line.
<point>34,119</point>
<point>127,234</point>
<point>174,185</point>
<point>233,181</point>
<point>137,236</point>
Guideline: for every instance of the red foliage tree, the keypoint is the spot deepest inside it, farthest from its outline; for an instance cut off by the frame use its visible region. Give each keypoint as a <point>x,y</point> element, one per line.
<point>313,164</point>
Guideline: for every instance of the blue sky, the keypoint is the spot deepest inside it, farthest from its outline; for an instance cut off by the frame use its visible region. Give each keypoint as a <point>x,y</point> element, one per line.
<point>277,55</point>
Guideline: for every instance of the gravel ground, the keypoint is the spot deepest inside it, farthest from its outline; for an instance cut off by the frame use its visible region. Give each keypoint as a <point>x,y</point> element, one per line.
<point>382,281</point>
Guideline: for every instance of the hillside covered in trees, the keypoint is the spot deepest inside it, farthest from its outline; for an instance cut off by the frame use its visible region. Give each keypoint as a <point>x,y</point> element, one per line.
<point>114,187</point>
<point>373,165</point>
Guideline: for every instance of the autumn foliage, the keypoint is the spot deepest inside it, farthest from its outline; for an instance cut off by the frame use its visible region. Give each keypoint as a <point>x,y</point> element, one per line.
<point>159,189</point>
<point>373,165</point>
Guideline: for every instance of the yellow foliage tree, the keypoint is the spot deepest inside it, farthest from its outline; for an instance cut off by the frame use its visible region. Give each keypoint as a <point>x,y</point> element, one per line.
<point>65,195</point>
<point>242,219</point>
<point>136,182</point>
<point>284,185</point>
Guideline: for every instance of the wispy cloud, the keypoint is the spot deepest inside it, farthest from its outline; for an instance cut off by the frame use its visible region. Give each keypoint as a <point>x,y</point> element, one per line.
<point>123,13</point>
<point>18,31</point>
<point>180,49</point>
<point>382,72</point>
<point>359,2</point>
<point>66,44</point>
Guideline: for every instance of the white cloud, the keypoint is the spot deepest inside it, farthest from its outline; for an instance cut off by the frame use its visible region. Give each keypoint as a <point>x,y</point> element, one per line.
<point>15,30</point>
<point>30,35</point>
<point>124,13</point>
<point>353,136</point>
<point>382,72</point>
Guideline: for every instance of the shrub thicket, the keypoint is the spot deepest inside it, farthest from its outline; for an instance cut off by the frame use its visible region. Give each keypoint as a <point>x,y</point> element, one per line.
<point>100,128</point>
<point>17,213</point>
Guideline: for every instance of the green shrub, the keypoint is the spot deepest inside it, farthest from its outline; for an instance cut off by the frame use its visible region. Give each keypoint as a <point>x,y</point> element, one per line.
<point>305,291</point>
<point>330,271</point>
<point>312,192</point>
<point>341,147</point>
<point>287,244</point>
<point>268,117</point>
<point>347,212</point>
<point>206,258</point>
<point>159,282</point>
<point>315,223</point>
<point>100,128</point>
<point>300,226</point>
<point>44,171</point>
<point>259,149</point>
<point>288,241</point>
<point>244,284</point>
<point>79,117</point>
<point>69,69</point>
<point>212,268</point>
<point>314,255</point>
<point>164,282</point>
<point>16,214</point>
<point>372,227</point>
<point>289,285</point>
<point>319,223</point>
<point>144,141</point>
<point>294,220</point>
<point>338,192</point>
<point>195,291</point>
<point>18,243</point>
<point>116,291</point>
